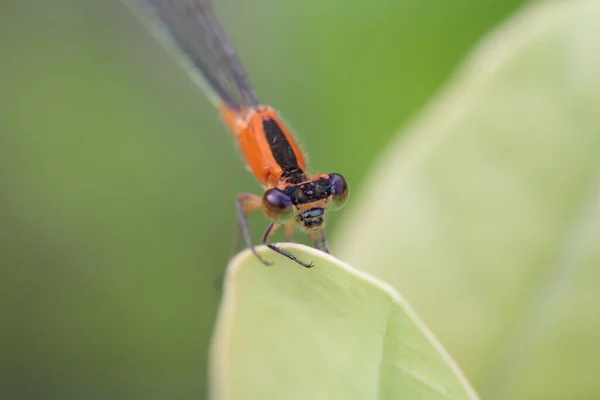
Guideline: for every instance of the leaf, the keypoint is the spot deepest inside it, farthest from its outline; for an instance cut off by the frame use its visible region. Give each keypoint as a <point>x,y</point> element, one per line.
<point>329,332</point>
<point>486,212</point>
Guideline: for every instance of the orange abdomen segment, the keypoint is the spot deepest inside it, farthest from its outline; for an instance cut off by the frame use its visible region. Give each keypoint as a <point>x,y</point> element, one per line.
<point>267,145</point>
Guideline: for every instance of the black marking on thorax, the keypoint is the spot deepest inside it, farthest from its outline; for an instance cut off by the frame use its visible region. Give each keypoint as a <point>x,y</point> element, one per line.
<point>293,176</point>
<point>282,151</point>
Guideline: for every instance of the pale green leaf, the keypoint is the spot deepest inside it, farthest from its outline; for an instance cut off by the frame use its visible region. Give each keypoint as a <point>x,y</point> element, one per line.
<point>329,332</point>
<point>486,212</point>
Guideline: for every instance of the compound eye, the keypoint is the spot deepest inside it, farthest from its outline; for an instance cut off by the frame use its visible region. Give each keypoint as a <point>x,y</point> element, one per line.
<point>277,206</point>
<point>339,192</point>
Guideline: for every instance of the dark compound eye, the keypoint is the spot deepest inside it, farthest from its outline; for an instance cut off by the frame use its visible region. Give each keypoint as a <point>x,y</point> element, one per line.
<point>277,206</point>
<point>339,192</point>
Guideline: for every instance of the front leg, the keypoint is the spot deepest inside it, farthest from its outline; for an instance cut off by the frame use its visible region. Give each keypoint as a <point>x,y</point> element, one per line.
<point>319,241</point>
<point>267,236</point>
<point>247,203</point>
<point>288,231</point>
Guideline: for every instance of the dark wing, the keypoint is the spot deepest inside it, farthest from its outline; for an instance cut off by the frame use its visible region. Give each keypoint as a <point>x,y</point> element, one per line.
<point>192,34</point>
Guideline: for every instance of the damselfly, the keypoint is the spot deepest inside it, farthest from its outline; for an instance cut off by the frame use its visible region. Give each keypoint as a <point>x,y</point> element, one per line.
<point>191,32</point>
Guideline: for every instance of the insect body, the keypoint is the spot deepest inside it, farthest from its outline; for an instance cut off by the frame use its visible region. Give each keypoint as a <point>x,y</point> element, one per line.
<point>191,32</point>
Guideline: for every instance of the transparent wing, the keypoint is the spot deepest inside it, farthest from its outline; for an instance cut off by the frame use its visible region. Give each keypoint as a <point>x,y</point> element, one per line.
<point>191,33</point>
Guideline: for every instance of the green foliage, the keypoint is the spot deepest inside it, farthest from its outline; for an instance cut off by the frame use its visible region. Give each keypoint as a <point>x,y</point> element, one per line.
<point>330,332</point>
<point>486,215</point>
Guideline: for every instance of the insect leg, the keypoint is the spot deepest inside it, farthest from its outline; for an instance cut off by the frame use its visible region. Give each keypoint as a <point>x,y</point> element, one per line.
<point>246,203</point>
<point>267,236</point>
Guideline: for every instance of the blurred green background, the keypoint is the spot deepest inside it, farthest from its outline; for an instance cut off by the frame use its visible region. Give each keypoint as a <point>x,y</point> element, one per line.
<point>118,180</point>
